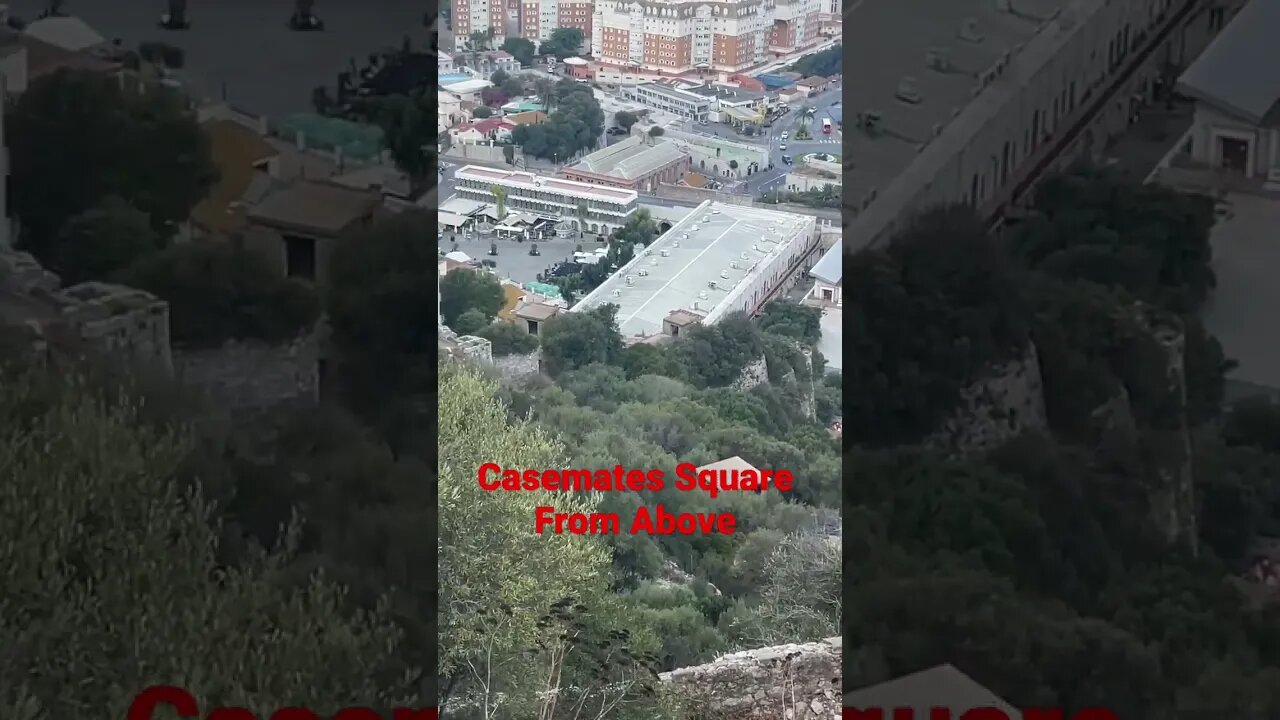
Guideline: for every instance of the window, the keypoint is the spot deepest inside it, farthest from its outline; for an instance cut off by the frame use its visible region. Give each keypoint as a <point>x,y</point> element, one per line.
<point>300,257</point>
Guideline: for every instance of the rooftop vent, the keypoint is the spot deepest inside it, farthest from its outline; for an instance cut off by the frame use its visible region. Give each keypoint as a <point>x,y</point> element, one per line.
<point>712,284</point>
<point>908,92</point>
<point>724,274</point>
<point>745,256</point>
<point>733,264</point>
<point>938,59</point>
<point>631,280</point>
<point>642,272</point>
<point>617,293</point>
<point>664,252</point>
<point>969,31</point>
<point>870,121</point>
<point>702,294</point>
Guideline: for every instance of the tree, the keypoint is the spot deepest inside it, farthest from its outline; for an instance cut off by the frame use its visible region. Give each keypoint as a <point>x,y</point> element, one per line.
<point>563,43</point>
<point>470,322</point>
<point>378,278</point>
<point>91,579</point>
<point>498,77</point>
<point>656,131</point>
<point>512,87</point>
<point>509,339</point>
<point>481,112</point>
<point>464,290</point>
<point>499,200</point>
<point>625,119</point>
<point>792,320</point>
<point>101,241</point>
<point>481,39</point>
<point>733,164</point>
<point>491,615</point>
<point>218,291</point>
<point>70,120</point>
<point>580,338</point>
<point>509,154</point>
<point>519,48</point>
<point>800,594</point>
<point>407,133</point>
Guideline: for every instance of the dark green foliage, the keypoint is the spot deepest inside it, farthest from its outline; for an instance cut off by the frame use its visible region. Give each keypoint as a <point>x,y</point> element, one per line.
<point>101,241</point>
<point>784,317</point>
<point>563,43</point>
<point>625,119</point>
<point>461,291</point>
<point>927,317</point>
<point>824,63</point>
<point>577,339</point>
<point>520,49</point>
<point>71,120</point>
<point>470,322</point>
<point>218,291</point>
<point>1098,226</point>
<point>509,339</point>
<point>575,124</point>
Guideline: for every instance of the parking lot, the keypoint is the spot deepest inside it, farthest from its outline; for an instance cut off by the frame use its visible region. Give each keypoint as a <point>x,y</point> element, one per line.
<point>513,261</point>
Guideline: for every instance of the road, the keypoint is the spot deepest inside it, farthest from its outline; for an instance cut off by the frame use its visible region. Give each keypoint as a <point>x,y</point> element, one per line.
<point>772,178</point>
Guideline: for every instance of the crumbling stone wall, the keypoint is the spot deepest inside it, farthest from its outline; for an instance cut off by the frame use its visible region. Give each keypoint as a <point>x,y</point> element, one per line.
<point>112,322</point>
<point>242,375</point>
<point>755,373</point>
<point>515,366</point>
<point>787,682</point>
<point>1006,403</point>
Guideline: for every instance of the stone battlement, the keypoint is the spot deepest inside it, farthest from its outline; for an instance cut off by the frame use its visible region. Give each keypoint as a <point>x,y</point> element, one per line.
<point>785,682</point>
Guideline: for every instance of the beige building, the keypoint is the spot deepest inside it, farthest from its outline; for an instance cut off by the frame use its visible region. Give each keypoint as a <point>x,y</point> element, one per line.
<point>636,163</point>
<point>296,227</point>
<point>679,36</point>
<point>1237,121</point>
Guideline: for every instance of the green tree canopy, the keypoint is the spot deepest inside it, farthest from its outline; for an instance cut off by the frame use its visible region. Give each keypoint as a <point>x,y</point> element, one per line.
<point>218,291</point>
<point>110,547</point>
<point>520,48</point>
<point>71,120</point>
<point>463,290</point>
<point>563,43</point>
<point>573,340</point>
<point>101,241</point>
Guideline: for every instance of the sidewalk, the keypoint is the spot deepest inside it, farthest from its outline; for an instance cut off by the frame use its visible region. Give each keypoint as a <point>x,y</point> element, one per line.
<point>1145,144</point>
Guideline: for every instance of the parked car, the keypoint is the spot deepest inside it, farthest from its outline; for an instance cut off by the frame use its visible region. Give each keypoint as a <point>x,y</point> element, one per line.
<point>533,249</point>
<point>782,146</point>
<point>785,135</point>
<point>786,159</point>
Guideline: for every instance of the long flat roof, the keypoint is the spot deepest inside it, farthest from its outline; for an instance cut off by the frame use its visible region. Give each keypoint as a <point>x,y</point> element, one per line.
<point>539,182</point>
<point>891,40</point>
<point>631,158</point>
<point>707,242</point>
<point>1238,71</point>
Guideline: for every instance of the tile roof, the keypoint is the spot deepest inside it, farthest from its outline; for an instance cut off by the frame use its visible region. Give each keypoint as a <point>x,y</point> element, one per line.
<point>237,152</point>
<point>631,158</point>
<point>314,207</point>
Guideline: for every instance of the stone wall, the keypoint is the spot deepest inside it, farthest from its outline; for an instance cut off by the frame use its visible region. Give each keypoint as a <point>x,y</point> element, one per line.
<point>111,322</point>
<point>1003,405</point>
<point>754,374</point>
<point>787,682</point>
<point>515,366</point>
<point>242,375</point>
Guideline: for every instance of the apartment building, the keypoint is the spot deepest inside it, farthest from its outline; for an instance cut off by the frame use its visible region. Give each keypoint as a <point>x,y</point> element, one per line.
<point>529,19</point>
<point>678,36</point>
<point>584,207</point>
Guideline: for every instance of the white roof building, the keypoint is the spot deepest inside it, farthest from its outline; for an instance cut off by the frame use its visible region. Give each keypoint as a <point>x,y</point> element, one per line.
<point>718,260</point>
<point>68,33</point>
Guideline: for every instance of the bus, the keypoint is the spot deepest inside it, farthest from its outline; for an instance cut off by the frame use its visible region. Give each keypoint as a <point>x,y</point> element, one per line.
<point>826,126</point>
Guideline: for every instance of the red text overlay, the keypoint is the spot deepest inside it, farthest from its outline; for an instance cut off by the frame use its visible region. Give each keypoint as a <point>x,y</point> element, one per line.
<point>652,521</point>
<point>149,703</point>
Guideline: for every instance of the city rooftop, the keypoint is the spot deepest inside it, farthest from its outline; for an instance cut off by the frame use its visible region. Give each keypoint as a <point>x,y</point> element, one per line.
<point>934,50</point>
<point>715,243</point>
<point>631,158</point>
<point>531,181</point>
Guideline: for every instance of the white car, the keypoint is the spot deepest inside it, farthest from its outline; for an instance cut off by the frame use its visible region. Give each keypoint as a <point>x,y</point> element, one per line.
<point>784,135</point>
